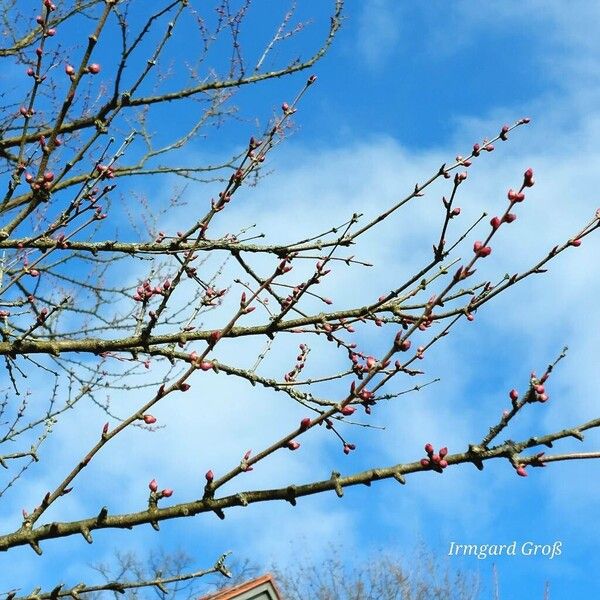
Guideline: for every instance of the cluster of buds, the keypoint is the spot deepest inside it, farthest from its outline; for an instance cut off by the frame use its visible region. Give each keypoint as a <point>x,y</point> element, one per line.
<point>244,466</point>
<point>287,109</point>
<point>203,365</point>
<point>212,297</point>
<point>538,390</point>
<point>515,196</point>
<point>42,316</point>
<point>321,270</point>
<point>106,171</point>
<point>284,267</point>
<point>437,462</point>
<point>26,112</point>
<point>144,292</point>
<point>348,448</point>
<point>369,363</point>
<point>365,397</point>
<point>61,241</point>
<point>477,148</point>
<point>244,305</point>
<point>403,345</point>
<point>153,487</point>
<point>296,293</point>
<point>44,182</point>
<point>253,144</point>
<point>300,364</point>
<point>481,250</point>
<point>460,177</point>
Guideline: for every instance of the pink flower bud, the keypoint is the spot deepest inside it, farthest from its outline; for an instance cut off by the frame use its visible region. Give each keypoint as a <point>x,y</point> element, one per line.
<point>443,463</point>
<point>149,419</point>
<point>167,493</point>
<point>348,410</point>
<point>209,476</point>
<point>539,389</point>
<point>576,243</point>
<point>285,107</point>
<point>48,176</point>
<point>509,217</point>
<point>93,69</point>
<point>215,336</point>
<point>105,429</point>
<point>153,485</point>
<point>293,445</point>
<point>528,179</point>
<point>30,72</point>
<point>504,132</point>
<point>513,395</point>
<point>443,452</point>
<point>205,365</point>
<point>495,222</point>
<point>543,398</point>
<point>69,70</point>
<point>51,32</point>
<point>515,196</point>
<point>184,387</point>
<point>305,423</point>
<point>455,211</point>
<point>521,472</point>
<point>429,448</point>
<point>425,462</point>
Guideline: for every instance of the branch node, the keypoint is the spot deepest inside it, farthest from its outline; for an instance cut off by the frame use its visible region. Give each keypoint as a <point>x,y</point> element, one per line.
<point>339,490</point>
<point>85,532</point>
<point>399,477</point>
<point>36,547</point>
<point>291,495</point>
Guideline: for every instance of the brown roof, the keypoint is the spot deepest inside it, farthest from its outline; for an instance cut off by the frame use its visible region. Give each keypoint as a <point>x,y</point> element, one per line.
<point>233,592</point>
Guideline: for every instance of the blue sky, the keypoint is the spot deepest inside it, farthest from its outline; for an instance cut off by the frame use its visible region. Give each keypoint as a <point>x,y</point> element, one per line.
<point>405,87</point>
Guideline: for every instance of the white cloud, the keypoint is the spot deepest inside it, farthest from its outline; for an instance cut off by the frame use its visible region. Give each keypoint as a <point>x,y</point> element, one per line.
<point>379,30</point>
